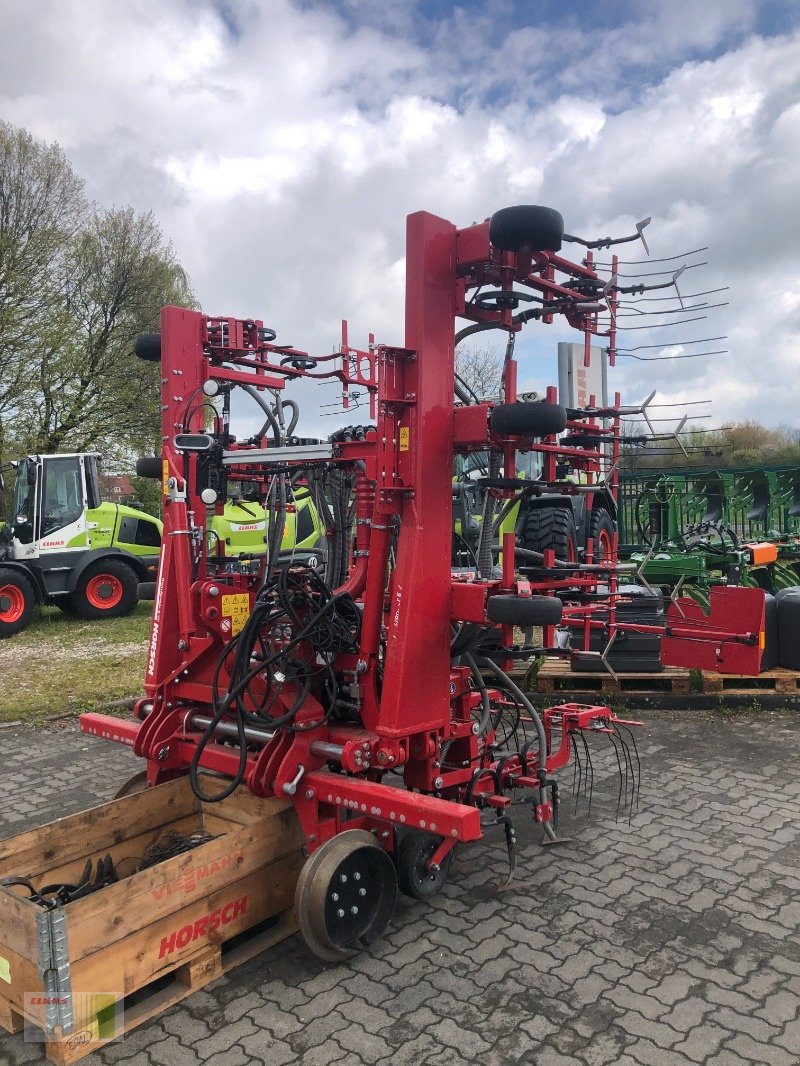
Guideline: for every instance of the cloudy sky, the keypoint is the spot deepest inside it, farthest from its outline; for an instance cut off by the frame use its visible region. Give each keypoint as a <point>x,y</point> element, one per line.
<point>281,145</point>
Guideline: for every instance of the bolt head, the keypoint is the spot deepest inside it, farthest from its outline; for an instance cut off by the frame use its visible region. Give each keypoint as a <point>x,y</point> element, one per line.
<point>354,910</point>
<point>340,913</point>
<point>438,782</point>
<point>356,876</point>
<point>343,878</point>
<point>362,891</point>
<point>335,897</point>
<point>309,794</point>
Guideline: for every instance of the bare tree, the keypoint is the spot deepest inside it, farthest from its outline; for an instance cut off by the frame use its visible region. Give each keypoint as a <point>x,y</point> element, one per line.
<point>480,370</point>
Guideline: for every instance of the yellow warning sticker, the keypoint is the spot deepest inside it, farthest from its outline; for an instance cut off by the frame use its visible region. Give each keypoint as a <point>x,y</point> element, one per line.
<point>165,476</point>
<point>5,970</point>
<point>236,607</point>
<point>405,435</point>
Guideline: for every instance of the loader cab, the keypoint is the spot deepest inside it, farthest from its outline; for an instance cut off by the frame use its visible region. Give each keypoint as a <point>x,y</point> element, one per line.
<point>52,494</point>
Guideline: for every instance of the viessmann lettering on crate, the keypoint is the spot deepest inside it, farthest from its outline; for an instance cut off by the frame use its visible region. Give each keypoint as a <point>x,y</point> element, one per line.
<point>180,938</point>
<point>188,881</point>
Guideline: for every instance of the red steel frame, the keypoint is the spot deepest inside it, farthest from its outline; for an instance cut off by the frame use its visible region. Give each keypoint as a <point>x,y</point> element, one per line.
<point>404,470</point>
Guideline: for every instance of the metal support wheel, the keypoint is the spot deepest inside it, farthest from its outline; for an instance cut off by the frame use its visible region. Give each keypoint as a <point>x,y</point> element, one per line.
<point>414,852</point>
<point>137,783</point>
<point>345,895</point>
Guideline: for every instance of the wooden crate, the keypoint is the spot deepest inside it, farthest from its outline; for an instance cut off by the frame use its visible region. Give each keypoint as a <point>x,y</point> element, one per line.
<point>154,937</point>
<point>555,675</point>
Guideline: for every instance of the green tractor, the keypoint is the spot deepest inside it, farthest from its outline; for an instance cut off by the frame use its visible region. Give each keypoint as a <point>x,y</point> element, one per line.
<point>63,546</point>
<point>239,535</point>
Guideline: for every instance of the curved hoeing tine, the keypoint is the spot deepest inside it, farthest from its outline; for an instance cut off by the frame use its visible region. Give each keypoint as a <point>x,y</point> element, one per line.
<point>638,763</point>
<point>613,740</point>
<point>577,770</point>
<point>628,767</point>
<point>589,786</point>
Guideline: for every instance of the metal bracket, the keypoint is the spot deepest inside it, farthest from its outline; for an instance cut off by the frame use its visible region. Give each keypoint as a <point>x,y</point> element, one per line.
<point>54,968</point>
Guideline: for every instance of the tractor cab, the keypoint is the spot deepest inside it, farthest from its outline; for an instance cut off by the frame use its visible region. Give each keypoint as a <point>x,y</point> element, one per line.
<point>53,495</point>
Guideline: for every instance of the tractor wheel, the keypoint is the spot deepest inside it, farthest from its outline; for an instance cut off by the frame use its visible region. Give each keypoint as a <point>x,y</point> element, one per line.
<point>601,530</point>
<point>526,228</point>
<point>17,600</point>
<point>345,895</point>
<point>148,347</point>
<point>551,527</point>
<point>107,589</point>
<point>414,852</point>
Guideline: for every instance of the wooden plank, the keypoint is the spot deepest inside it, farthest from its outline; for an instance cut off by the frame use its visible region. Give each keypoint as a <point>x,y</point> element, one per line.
<point>65,840</point>
<point>141,900</point>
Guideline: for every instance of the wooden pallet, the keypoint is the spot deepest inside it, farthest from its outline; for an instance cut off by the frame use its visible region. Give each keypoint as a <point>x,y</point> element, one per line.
<point>555,675</point>
<point>153,938</point>
<point>778,682</point>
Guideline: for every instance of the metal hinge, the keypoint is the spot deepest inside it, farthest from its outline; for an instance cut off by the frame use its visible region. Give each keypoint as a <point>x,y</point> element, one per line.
<point>55,971</point>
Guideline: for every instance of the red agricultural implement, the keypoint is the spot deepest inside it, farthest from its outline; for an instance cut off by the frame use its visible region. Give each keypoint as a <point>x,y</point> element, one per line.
<point>354,683</point>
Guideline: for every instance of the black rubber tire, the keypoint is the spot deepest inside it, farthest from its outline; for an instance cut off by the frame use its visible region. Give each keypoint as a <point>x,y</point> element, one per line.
<point>601,521</point>
<point>149,466</point>
<point>528,228</point>
<point>146,590</point>
<point>117,569</point>
<point>148,347</point>
<point>537,419</point>
<point>524,610</point>
<point>413,853</point>
<point>789,631</point>
<point>788,591</point>
<point>26,596</point>
<point>550,527</point>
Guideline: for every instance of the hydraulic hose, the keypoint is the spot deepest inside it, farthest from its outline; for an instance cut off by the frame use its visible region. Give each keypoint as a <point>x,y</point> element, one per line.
<point>484,553</point>
<point>517,692</point>
<point>272,421</point>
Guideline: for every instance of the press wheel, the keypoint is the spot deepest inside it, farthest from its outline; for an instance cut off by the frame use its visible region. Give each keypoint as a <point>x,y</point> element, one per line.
<point>137,783</point>
<point>414,853</point>
<point>345,895</point>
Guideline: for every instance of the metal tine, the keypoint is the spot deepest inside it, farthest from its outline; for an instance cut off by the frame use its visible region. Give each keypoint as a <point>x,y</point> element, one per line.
<point>577,770</point>
<point>612,738</point>
<point>638,763</point>
<point>628,766</point>
<point>589,786</point>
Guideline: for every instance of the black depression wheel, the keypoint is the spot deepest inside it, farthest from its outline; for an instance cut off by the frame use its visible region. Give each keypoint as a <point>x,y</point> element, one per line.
<point>550,527</point>
<point>414,852</point>
<point>149,466</point>
<point>17,600</point>
<point>526,228</point>
<point>537,419</point>
<point>148,347</point>
<point>106,589</point>
<point>601,530</point>
<point>345,895</point>
<point>524,610</point>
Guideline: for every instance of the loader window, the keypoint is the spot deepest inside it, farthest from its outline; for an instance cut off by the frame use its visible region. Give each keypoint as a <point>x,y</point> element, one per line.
<point>24,498</point>
<point>62,499</point>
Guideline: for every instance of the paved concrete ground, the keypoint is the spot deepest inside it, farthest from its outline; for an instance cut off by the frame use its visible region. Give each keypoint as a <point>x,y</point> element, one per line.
<point>671,939</point>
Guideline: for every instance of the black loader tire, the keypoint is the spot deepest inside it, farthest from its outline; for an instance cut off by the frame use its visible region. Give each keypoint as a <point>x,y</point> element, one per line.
<point>788,591</point>
<point>550,527</point>
<point>17,601</point>
<point>527,228</point>
<point>148,347</point>
<point>149,466</point>
<point>601,530</point>
<point>106,589</point>
<point>524,610</point>
<point>537,419</point>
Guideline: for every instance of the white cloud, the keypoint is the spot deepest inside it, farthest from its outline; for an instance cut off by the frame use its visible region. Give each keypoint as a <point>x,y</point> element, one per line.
<point>282,158</point>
